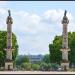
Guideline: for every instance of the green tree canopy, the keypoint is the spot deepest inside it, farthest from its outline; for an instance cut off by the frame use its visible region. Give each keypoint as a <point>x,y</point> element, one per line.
<point>26,65</point>
<point>54,48</point>
<point>22,59</point>
<point>45,66</point>
<point>1,58</point>
<point>3,45</point>
<point>35,66</point>
<point>46,58</point>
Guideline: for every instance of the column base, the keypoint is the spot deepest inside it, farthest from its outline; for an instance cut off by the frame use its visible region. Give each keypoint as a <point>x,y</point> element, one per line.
<point>9,65</point>
<point>65,66</point>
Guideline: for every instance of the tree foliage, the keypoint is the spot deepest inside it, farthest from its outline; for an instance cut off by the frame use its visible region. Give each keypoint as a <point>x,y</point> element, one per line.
<point>23,63</point>
<point>3,46</point>
<point>26,66</point>
<point>54,48</point>
<point>46,58</point>
<point>45,66</point>
<point>1,58</point>
<point>35,66</point>
<point>22,59</point>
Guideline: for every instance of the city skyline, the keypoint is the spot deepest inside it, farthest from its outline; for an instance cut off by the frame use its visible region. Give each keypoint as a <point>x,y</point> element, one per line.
<point>35,23</point>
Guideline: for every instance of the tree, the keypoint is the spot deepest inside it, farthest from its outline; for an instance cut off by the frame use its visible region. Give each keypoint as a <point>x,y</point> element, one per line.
<point>3,45</point>
<point>55,53</point>
<point>21,62</point>
<point>21,59</point>
<point>72,47</point>
<point>26,66</point>
<point>1,58</point>
<point>45,66</point>
<point>46,58</point>
<point>25,58</point>
<point>35,66</point>
<point>54,48</point>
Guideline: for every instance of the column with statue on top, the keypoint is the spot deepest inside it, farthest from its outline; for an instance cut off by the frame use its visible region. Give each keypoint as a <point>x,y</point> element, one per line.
<point>9,61</point>
<point>65,48</point>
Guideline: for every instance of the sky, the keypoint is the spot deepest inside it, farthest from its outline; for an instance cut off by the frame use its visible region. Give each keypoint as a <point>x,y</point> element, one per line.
<point>36,23</point>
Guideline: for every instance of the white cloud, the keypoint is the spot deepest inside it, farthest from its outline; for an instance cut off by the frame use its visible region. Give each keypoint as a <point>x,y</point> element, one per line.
<point>2,11</point>
<point>3,3</point>
<point>55,16</point>
<point>35,32</point>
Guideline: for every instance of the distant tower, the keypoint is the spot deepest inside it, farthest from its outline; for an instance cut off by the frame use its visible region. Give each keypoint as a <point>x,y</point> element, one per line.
<point>65,49</point>
<point>9,61</point>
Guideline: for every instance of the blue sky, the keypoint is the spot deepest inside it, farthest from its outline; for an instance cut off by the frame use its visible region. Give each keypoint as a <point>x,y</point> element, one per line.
<point>35,23</point>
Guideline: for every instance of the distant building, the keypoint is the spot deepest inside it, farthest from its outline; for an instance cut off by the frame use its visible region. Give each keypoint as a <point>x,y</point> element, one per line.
<point>35,58</point>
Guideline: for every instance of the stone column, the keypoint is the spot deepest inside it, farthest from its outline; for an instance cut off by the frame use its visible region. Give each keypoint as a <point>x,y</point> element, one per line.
<point>9,61</point>
<point>65,49</point>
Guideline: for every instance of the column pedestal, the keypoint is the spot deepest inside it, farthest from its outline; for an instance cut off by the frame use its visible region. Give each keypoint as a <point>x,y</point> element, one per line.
<point>65,62</point>
<point>65,66</point>
<point>9,61</point>
<point>9,65</point>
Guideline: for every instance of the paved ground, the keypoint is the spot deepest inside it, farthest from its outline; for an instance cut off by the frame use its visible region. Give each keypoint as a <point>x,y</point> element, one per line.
<point>34,72</point>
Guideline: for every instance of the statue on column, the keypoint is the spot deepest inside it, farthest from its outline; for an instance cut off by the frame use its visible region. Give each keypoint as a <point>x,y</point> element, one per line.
<point>9,19</point>
<point>65,13</point>
<point>65,19</point>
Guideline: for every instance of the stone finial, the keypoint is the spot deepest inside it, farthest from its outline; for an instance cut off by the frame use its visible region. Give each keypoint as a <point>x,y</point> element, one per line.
<point>65,13</point>
<point>65,19</point>
<point>9,18</point>
<point>9,13</point>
